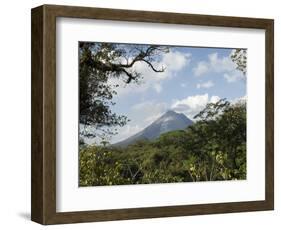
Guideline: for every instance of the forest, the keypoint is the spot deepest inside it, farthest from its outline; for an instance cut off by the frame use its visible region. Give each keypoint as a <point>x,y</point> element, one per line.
<point>213,148</point>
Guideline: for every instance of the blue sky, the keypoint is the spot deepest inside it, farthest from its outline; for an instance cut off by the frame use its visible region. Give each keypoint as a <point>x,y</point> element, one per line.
<point>192,78</point>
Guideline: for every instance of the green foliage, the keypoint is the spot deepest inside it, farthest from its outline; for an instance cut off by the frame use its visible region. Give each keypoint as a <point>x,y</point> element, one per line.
<point>97,166</point>
<point>213,148</point>
<point>239,57</point>
<point>217,142</point>
<point>98,64</point>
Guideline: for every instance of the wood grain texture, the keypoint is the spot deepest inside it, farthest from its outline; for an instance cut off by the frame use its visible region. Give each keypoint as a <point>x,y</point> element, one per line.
<point>37,116</point>
<point>43,207</point>
<point>269,113</point>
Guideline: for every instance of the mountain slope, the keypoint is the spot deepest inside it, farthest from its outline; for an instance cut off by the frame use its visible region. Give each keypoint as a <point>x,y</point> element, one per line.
<point>169,121</point>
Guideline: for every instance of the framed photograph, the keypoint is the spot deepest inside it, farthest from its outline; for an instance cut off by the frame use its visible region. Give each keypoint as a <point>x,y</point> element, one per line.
<point>141,114</point>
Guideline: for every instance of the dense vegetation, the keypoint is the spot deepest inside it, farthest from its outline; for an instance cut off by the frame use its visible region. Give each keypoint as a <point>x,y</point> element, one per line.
<point>99,63</point>
<point>213,148</point>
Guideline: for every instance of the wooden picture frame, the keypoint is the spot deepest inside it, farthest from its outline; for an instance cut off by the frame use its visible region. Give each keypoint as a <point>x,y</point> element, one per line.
<point>43,202</point>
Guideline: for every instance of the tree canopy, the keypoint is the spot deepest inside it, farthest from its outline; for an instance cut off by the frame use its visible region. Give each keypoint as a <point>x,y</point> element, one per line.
<point>213,148</point>
<point>98,63</point>
<point>239,57</point>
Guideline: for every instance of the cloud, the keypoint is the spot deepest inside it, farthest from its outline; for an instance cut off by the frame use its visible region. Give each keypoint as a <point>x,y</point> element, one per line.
<point>144,114</point>
<point>157,87</point>
<point>125,132</point>
<point>192,105</point>
<point>173,62</point>
<point>222,64</point>
<point>201,68</point>
<point>214,64</point>
<point>214,99</point>
<point>150,110</point>
<point>239,100</point>
<point>183,85</point>
<point>234,76</point>
<point>205,85</point>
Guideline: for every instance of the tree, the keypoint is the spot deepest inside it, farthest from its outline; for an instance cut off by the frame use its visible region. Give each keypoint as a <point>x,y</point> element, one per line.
<point>98,64</point>
<point>239,57</point>
<point>98,167</point>
<point>217,142</point>
<point>213,148</point>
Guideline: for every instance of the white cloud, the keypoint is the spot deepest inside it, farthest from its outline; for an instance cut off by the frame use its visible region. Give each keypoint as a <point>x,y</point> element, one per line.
<point>149,111</point>
<point>192,105</point>
<point>239,99</point>
<point>125,132</point>
<point>158,88</point>
<point>183,85</point>
<point>173,62</point>
<point>201,68</point>
<point>150,108</point>
<point>205,85</point>
<point>222,64</point>
<point>234,76</point>
<point>214,99</point>
<point>144,114</point>
<point>216,64</point>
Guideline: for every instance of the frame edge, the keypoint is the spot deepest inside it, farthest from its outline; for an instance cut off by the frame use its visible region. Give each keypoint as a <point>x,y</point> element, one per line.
<point>269,122</point>
<point>37,189</point>
<point>43,159</point>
